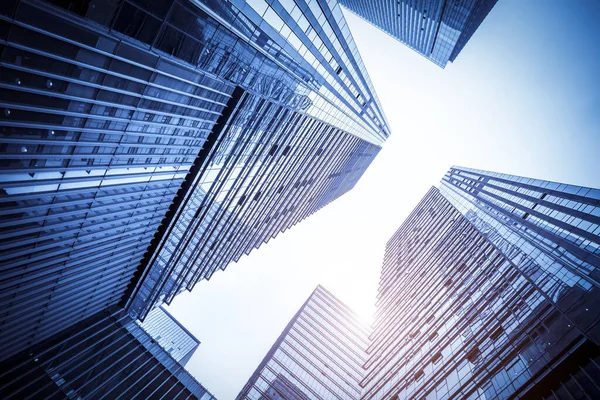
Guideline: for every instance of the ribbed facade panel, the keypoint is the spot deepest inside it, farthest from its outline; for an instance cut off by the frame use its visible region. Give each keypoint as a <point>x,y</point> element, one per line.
<point>488,291</point>
<point>97,137</point>
<point>436,29</point>
<point>106,356</point>
<point>319,355</point>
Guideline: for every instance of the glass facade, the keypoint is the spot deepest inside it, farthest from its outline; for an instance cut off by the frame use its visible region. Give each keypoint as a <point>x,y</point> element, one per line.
<point>173,337</point>
<point>97,138</point>
<point>106,356</point>
<point>147,144</point>
<point>488,291</point>
<point>311,40</point>
<point>256,187</point>
<point>436,29</point>
<point>296,138</point>
<point>319,355</point>
<point>559,220</point>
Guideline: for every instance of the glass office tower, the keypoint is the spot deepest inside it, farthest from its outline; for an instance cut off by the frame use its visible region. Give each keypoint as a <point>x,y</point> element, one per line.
<point>106,356</point>
<point>146,144</point>
<point>319,355</point>
<point>436,29</point>
<point>303,146</point>
<point>173,337</point>
<point>489,291</point>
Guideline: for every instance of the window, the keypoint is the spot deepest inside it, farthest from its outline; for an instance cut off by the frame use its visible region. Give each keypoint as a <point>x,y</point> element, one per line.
<point>419,375</point>
<point>473,355</point>
<point>273,150</point>
<point>496,334</point>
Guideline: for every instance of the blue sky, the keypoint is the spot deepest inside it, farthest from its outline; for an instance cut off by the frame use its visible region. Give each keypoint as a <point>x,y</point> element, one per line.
<point>522,98</point>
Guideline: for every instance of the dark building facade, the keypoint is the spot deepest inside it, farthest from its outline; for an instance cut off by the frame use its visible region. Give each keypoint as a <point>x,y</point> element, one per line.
<point>147,144</point>
<point>106,356</point>
<point>489,291</point>
<point>173,337</point>
<point>436,29</point>
<point>319,355</point>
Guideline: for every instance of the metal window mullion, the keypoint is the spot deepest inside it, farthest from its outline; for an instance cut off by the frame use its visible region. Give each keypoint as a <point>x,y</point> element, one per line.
<point>56,207</point>
<point>139,225</point>
<point>280,114</point>
<point>86,221</point>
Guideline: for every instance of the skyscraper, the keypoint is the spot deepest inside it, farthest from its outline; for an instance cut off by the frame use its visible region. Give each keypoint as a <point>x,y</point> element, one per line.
<point>173,337</point>
<point>296,159</point>
<point>106,356</point>
<point>436,29</point>
<point>488,291</point>
<point>147,144</point>
<point>319,355</point>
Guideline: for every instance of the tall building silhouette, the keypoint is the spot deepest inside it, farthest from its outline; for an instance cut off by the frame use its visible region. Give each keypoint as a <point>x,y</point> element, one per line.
<point>319,355</point>
<point>488,291</point>
<point>436,29</point>
<point>147,144</point>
